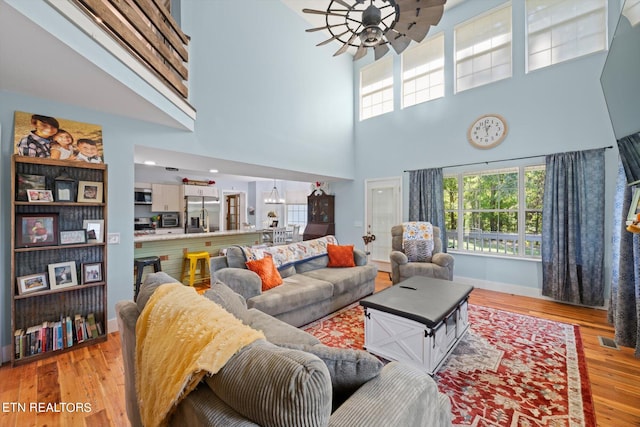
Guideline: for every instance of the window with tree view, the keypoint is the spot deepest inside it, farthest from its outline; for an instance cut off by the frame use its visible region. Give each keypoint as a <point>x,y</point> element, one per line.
<point>497,211</point>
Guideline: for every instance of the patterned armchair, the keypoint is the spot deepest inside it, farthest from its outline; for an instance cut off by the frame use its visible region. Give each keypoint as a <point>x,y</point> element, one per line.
<point>438,265</point>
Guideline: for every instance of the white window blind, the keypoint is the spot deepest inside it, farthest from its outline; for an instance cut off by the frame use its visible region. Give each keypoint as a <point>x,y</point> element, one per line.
<point>376,88</point>
<point>559,30</point>
<point>632,11</point>
<point>423,72</point>
<point>483,49</point>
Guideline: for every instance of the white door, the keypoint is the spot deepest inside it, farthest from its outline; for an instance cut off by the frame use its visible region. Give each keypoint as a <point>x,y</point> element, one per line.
<point>383,210</point>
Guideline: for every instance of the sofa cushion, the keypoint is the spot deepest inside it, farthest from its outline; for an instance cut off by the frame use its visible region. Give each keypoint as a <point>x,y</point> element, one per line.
<point>222,295</point>
<point>340,256</point>
<point>148,287</point>
<point>274,386</point>
<point>312,264</point>
<point>348,368</point>
<point>276,331</point>
<point>295,292</point>
<point>236,257</point>
<point>266,269</point>
<point>344,279</point>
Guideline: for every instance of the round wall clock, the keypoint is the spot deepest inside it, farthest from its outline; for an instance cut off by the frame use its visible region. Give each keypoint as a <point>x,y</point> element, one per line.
<point>487,131</point>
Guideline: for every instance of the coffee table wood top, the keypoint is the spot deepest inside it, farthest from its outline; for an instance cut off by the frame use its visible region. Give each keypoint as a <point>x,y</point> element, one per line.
<point>423,299</point>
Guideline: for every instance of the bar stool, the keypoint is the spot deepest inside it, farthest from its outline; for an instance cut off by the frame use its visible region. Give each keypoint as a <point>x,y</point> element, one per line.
<point>138,268</point>
<point>190,262</point>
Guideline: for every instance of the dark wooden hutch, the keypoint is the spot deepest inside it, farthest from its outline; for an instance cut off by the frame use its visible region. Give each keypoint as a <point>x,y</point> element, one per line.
<point>320,216</point>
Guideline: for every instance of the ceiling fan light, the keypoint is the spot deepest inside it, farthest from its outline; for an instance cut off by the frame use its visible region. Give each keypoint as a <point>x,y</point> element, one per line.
<point>371,35</point>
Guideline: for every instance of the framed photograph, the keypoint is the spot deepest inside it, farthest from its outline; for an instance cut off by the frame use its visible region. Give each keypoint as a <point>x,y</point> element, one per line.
<point>73,237</point>
<point>91,272</point>
<point>64,190</point>
<point>89,192</point>
<point>26,182</point>
<point>36,230</point>
<point>39,195</point>
<point>74,141</point>
<point>32,283</point>
<point>63,275</point>
<point>274,223</point>
<point>95,229</point>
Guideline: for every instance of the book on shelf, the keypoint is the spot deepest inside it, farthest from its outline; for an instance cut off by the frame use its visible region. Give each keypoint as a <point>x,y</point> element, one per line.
<point>92,329</point>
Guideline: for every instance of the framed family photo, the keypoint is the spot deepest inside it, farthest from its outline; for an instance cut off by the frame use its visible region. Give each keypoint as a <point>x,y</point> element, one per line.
<point>32,283</point>
<point>36,230</point>
<point>89,192</point>
<point>34,195</point>
<point>27,182</point>
<point>91,272</point>
<point>63,275</point>
<point>40,135</point>
<point>73,237</point>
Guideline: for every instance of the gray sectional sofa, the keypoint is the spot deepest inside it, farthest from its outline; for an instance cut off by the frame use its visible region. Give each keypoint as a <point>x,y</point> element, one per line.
<point>310,290</point>
<point>289,379</point>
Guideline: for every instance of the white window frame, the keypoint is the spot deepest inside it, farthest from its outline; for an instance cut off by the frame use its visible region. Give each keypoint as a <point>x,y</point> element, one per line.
<point>297,206</point>
<point>521,212</point>
<point>423,71</point>
<point>479,61</point>
<point>554,33</point>
<point>376,88</point>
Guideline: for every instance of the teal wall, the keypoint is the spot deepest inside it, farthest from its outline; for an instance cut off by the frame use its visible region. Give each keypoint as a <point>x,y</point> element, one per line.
<point>266,97</point>
<point>265,94</point>
<point>555,109</point>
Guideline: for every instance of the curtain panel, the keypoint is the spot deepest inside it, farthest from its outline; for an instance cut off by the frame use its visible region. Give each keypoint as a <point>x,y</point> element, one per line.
<point>624,303</point>
<point>573,227</point>
<point>426,199</point>
<point>629,148</point>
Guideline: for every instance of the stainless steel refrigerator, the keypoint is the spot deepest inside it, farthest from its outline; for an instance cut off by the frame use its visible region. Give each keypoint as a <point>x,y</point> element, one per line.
<point>201,214</point>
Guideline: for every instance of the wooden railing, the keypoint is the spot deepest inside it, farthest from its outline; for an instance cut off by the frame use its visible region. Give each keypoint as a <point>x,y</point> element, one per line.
<point>149,32</point>
<point>494,242</point>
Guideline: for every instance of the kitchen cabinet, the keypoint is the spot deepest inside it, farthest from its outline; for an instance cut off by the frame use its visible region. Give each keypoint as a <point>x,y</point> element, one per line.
<point>199,190</point>
<point>58,273</point>
<point>165,198</point>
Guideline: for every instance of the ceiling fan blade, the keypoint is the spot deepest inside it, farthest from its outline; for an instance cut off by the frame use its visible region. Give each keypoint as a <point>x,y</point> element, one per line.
<point>430,15</point>
<point>322,12</point>
<point>415,31</point>
<point>361,52</point>
<point>398,41</point>
<point>343,3</point>
<point>380,51</point>
<point>344,48</point>
<point>404,4</point>
<point>311,30</point>
<point>329,40</point>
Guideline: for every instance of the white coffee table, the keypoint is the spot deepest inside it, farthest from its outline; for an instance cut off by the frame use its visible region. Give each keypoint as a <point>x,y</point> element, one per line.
<point>419,321</point>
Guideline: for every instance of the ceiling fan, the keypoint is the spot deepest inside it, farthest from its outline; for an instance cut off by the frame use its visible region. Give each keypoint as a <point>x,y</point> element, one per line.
<point>378,23</point>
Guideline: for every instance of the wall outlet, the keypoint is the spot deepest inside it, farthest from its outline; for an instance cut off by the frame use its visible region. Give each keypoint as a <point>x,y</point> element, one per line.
<point>113,238</point>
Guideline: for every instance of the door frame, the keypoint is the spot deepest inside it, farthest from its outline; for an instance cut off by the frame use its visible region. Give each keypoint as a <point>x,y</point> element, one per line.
<point>383,265</point>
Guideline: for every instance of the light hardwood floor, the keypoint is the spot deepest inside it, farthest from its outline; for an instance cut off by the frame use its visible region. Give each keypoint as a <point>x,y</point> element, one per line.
<point>94,375</point>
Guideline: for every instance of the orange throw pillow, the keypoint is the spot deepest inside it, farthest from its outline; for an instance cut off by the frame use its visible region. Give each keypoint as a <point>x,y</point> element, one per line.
<point>266,269</point>
<point>340,256</point>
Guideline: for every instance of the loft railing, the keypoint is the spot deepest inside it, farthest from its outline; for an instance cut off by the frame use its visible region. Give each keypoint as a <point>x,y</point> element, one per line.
<point>149,32</point>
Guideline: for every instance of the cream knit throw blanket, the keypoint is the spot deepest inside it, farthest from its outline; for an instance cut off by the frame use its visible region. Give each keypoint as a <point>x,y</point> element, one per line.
<point>181,336</point>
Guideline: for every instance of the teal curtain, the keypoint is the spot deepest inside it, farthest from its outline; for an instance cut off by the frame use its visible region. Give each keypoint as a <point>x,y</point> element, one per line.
<point>573,227</point>
<point>629,148</point>
<point>426,199</point>
<point>624,302</point>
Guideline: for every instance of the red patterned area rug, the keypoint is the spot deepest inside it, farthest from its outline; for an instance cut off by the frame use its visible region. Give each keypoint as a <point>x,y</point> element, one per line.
<point>508,370</point>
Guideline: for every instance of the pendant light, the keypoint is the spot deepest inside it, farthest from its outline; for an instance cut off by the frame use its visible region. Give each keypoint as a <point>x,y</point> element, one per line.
<point>274,197</point>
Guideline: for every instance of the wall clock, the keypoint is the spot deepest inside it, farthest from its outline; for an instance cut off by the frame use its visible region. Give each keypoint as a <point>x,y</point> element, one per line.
<point>487,131</point>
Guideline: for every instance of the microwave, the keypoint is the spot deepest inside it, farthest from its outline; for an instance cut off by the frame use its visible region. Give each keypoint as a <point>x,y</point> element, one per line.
<point>169,220</point>
<point>142,196</point>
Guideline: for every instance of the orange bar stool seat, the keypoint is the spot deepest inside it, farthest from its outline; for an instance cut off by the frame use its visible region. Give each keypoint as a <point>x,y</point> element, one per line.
<point>190,265</point>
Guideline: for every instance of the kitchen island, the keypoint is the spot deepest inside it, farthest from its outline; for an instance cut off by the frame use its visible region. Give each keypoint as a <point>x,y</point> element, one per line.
<point>171,247</point>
